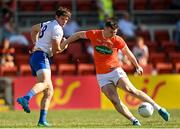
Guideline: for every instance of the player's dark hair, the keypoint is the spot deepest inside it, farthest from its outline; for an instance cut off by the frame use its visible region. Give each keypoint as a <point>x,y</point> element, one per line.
<point>62,11</point>
<point>112,23</point>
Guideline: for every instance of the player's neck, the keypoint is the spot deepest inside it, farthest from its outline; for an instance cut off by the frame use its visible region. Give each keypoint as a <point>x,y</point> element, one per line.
<point>105,35</point>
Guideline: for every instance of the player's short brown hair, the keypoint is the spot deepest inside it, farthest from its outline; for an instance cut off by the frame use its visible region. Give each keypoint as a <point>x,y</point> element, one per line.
<point>112,23</point>
<point>62,11</point>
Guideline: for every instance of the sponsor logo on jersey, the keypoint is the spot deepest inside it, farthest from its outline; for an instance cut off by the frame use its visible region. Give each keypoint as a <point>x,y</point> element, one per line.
<point>103,50</point>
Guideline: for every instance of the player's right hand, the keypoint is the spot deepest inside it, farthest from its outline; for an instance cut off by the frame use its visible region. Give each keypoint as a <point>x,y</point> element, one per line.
<point>63,44</point>
<point>139,70</point>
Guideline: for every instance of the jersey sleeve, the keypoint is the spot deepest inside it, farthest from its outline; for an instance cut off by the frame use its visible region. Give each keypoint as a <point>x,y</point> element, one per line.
<point>57,33</point>
<point>120,43</point>
<point>90,34</point>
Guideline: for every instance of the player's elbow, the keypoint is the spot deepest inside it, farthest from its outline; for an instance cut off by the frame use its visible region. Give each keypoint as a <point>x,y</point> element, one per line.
<point>35,28</point>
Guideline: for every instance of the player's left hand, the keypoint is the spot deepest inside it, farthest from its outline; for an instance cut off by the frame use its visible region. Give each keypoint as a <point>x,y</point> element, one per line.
<point>31,50</point>
<point>139,70</point>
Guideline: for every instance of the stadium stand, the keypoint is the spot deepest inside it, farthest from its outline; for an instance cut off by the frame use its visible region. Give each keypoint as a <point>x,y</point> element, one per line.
<point>67,69</point>
<point>22,63</point>
<point>28,36</point>
<point>158,4</point>
<point>152,46</point>
<point>27,5</point>
<point>128,68</point>
<point>147,69</point>
<point>54,70</point>
<point>61,59</point>
<point>25,70</point>
<point>145,34</point>
<point>155,58</point>
<point>86,69</point>
<point>77,53</point>
<point>85,5</point>
<point>161,35</point>
<point>65,3</point>
<point>177,67</point>
<point>20,49</point>
<point>21,59</point>
<point>168,46</point>
<point>8,71</point>
<point>174,57</point>
<point>120,4</point>
<point>130,44</point>
<point>164,68</point>
<point>47,5</point>
<point>140,4</point>
<point>158,37</point>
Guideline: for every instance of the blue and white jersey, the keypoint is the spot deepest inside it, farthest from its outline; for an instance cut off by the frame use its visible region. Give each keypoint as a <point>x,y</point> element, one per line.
<point>49,30</point>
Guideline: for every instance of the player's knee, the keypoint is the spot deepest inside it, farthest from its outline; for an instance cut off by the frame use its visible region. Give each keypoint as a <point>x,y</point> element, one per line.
<point>49,93</point>
<point>48,84</point>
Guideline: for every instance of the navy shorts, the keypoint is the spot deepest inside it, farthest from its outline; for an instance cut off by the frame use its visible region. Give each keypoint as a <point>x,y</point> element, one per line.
<point>39,60</point>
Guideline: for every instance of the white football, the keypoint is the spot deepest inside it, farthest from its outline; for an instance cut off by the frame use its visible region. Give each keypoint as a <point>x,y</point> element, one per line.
<point>145,109</point>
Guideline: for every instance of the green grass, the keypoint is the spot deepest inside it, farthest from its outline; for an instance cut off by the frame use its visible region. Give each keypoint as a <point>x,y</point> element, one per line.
<point>85,119</point>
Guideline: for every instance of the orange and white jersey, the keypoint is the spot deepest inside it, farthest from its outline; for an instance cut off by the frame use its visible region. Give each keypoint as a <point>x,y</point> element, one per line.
<point>105,50</point>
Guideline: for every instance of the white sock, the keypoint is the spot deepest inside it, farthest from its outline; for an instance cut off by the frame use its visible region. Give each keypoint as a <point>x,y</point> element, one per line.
<point>132,119</point>
<point>156,106</point>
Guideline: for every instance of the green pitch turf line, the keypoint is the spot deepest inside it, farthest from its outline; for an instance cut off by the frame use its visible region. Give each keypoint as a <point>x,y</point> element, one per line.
<point>90,128</point>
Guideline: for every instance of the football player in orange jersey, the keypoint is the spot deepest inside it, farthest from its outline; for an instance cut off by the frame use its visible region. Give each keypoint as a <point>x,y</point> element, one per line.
<point>109,73</point>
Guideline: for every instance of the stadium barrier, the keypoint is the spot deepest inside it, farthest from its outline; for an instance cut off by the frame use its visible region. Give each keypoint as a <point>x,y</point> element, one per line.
<point>69,92</point>
<point>164,89</point>
<point>82,92</point>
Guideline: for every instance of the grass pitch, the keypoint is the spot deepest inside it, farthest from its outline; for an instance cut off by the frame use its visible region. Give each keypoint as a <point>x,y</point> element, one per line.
<point>85,119</point>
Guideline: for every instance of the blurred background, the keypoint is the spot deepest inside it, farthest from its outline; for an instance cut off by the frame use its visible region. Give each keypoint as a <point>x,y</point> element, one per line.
<point>151,29</point>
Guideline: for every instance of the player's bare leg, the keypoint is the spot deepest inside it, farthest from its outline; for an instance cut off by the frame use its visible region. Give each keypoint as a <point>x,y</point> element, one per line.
<point>42,76</point>
<point>45,102</point>
<point>110,92</point>
<point>126,85</point>
<point>48,93</point>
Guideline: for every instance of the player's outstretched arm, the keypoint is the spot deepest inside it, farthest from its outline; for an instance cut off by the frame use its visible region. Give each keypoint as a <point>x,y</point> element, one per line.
<point>132,58</point>
<point>74,37</point>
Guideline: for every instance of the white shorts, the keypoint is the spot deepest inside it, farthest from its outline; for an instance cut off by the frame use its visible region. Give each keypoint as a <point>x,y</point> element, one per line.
<point>111,77</point>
